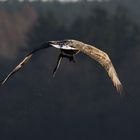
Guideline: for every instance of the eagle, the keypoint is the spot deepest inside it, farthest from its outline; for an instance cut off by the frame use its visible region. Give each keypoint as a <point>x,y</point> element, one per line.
<point>68,49</point>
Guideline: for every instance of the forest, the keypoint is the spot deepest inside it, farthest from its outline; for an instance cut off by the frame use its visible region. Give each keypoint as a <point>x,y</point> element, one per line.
<point>80,102</point>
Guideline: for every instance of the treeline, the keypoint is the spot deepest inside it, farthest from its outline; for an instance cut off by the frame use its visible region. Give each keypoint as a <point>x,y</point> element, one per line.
<point>113,29</point>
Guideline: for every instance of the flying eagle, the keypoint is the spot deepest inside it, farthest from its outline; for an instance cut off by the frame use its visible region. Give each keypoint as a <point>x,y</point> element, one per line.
<point>69,48</point>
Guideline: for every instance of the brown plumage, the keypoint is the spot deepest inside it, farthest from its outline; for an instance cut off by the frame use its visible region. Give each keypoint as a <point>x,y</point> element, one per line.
<point>103,59</point>
<point>69,48</point>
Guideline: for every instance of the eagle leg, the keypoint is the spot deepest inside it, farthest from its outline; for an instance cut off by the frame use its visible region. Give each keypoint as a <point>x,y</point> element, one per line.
<point>70,57</point>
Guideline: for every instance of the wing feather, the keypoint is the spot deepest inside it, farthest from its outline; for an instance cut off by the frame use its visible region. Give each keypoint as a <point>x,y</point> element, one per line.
<point>24,61</point>
<point>104,60</point>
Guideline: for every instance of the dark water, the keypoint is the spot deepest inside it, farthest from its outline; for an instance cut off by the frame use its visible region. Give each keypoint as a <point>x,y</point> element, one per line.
<point>54,112</point>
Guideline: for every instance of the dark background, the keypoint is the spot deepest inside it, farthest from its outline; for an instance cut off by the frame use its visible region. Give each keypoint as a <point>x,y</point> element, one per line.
<point>80,103</point>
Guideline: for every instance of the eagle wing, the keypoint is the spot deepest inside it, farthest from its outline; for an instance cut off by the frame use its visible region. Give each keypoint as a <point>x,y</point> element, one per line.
<point>24,61</point>
<point>104,60</point>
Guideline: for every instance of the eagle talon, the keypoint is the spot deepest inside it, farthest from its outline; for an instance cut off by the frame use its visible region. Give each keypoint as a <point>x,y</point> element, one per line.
<point>71,59</point>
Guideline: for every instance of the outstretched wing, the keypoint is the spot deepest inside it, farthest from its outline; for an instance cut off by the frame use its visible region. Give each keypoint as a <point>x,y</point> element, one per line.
<point>24,61</point>
<point>104,60</point>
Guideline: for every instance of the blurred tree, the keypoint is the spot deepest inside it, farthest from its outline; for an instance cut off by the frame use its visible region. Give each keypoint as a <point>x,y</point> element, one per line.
<point>14,28</point>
